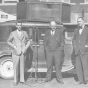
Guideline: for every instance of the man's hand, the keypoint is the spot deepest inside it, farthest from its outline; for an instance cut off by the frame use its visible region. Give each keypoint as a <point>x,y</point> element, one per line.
<point>86,45</point>
<point>24,50</point>
<point>18,50</point>
<point>15,47</point>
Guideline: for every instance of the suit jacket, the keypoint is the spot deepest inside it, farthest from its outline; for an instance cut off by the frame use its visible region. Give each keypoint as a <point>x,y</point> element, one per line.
<point>55,42</point>
<point>79,41</point>
<point>20,42</point>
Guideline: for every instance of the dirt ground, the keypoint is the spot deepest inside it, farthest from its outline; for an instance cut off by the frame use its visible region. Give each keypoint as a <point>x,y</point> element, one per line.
<point>69,79</point>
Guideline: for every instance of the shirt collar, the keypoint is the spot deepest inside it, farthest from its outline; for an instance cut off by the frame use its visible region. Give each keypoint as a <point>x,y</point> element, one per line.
<point>18,30</point>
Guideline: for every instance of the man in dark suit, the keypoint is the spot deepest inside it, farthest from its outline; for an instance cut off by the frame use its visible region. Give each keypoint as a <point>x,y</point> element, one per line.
<point>54,42</point>
<point>80,43</point>
<point>20,42</point>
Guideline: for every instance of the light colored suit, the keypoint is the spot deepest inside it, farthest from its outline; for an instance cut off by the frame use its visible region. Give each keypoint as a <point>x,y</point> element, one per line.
<point>19,44</point>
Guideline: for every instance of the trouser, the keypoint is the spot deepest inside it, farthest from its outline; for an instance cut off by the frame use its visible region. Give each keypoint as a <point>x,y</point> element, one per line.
<point>18,67</point>
<point>82,67</point>
<point>56,57</point>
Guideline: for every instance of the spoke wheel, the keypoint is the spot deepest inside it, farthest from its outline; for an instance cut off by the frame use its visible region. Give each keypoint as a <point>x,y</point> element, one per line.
<point>6,67</point>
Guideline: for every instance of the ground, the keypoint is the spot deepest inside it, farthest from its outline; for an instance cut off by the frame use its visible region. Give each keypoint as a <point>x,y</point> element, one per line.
<point>69,79</point>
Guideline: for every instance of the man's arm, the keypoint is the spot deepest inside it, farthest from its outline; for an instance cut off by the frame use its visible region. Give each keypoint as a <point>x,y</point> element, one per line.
<point>45,39</point>
<point>27,41</point>
<point>10,39</point>
<point>87,40</point>
<point>62,40</point>
<point>74,38</point>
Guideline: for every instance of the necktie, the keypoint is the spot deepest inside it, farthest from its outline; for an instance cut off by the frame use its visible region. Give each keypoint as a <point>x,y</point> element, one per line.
<point>19,33</point>
<point>52,32</point>
<point>80,30</point>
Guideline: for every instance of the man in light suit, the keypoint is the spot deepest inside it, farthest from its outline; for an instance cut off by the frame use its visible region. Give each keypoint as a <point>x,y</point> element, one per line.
<point>54,45</point>
<point>80,43</point>
<point>20,42</point>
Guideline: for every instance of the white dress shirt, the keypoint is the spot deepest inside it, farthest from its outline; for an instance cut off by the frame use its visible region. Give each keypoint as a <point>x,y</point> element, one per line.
<point>52,32</point>
<point>81,29</point>
<point>19,32</point>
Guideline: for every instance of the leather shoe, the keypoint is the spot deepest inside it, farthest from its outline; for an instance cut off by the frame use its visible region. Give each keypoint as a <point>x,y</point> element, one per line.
<point>80,83</point>
<point>60,81</point>
<point>15,83</point>
<point>22,82</point>
<point>86,85</point>
<point>47,80</point>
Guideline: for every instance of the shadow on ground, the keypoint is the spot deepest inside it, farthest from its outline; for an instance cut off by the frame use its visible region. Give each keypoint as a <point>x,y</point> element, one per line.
<point>68,74</point>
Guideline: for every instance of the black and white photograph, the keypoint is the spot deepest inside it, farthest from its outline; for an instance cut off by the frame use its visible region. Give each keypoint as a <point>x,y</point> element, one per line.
<point>43,43</point>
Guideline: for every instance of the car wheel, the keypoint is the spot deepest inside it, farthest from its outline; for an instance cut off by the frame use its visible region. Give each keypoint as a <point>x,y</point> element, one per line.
<point>6,67</point>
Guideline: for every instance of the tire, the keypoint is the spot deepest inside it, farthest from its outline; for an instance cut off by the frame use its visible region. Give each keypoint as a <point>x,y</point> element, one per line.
<point>6,67</point>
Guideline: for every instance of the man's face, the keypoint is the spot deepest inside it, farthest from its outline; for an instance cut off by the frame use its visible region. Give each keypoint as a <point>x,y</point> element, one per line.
<point>19,25</point>
<point>53,25</point>
<point>80,21</point>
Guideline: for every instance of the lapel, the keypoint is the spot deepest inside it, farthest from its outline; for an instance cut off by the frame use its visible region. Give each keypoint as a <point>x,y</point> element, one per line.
<point>83,34</point>
<point>19,37</point>
<point>49,32</point>
<point>52,35</point>
<point>22,35</point>
<point>83,31</point>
